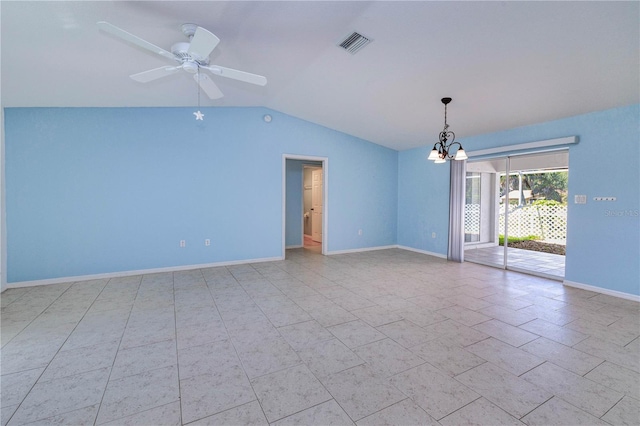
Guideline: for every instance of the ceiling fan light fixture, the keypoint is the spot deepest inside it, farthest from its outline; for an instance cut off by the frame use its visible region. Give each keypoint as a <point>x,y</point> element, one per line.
<point>190,67</point>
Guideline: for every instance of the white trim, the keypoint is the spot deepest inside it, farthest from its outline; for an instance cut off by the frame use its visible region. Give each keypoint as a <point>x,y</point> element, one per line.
<point>294,246</point>
<point>614,293</point>
<point>358,250</point>
<point>325,198</point>
<point>3,210</point>
<point>138,272</point>
<point>522,146</point>
<point>428,253</point>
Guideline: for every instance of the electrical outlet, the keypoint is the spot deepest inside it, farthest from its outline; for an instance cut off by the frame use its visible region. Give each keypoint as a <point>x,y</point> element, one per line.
<point>359,231</point>
<point>183,243</point>
<point>433,235</point>
<point>207,242</point>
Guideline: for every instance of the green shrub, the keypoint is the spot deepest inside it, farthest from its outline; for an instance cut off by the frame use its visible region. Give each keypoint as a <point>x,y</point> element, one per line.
<point>517,239</point>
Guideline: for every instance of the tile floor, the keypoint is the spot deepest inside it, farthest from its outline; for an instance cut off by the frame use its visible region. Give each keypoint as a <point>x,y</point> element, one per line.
<point>545,264</point>
<point>381,337</point>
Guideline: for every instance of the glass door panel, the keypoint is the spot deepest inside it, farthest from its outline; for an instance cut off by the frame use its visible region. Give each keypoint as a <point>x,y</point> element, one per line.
<point>481,212</point>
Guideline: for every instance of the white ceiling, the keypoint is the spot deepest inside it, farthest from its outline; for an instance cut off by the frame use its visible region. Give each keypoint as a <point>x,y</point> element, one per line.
<point>505,64</point>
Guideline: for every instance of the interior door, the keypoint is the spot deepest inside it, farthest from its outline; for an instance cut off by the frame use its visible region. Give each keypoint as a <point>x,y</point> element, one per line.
<point>316,204</point>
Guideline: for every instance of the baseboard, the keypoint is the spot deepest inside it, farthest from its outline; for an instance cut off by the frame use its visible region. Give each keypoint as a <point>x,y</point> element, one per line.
<point>137,272</point>
<point>601,290</point>
<point>428,253</point>
<point>358,250</point>
<point>293,247</point>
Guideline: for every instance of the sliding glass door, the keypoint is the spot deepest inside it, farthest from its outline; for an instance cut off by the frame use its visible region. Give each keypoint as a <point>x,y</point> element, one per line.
<point>527,207</point>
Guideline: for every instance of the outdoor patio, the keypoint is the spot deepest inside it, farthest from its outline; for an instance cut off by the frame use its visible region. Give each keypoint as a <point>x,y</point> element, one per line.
<point>544,264</point>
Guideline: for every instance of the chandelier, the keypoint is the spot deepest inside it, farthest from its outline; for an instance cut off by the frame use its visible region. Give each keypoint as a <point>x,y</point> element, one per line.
<point>440,152</point>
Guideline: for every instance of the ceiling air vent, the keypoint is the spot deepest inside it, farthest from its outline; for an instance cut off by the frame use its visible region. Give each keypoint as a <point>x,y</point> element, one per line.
<point>354,42</point>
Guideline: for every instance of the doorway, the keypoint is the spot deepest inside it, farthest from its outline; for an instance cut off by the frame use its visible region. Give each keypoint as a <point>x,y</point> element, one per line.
<point>313,207</point>
<point>526,207</point>
<point>305,204</point>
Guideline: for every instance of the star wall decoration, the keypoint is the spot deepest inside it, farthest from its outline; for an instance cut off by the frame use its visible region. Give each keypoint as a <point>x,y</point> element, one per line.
<point>199,115</point>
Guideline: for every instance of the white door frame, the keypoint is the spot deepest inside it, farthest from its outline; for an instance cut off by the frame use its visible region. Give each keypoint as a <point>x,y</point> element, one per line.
<point>325,197</point>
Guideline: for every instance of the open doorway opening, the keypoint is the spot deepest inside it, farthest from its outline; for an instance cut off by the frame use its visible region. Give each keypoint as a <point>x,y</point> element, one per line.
<point>304,204</point>
<point>313,206</point>
<point>516,212</point>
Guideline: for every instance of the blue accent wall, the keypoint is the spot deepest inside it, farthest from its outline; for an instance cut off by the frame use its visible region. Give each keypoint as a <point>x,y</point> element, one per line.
<point>107,190</point>
<point>603,238</point>
<point>103,190</point>
<point>423,202</point>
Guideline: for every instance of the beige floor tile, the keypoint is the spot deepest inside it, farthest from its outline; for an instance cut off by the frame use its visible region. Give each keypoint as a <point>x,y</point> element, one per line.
<point>509,392</point>
<point>564,356</point>
<point>480,412</point>
<point>133,394</point>
<point>208,394</point>
<point>560,413</point>
<point>617,378</point>
<point>82,416</point>
<point>386,357</point>
<point>356,333</point>
<point>327,413</point>
<point>329,357</point>
<point>55,397</point>
<point>625,412</point>
<point>288,391</point>
<point>559,334</point>
<point>456,332</point>
<point>360,392</point>
<point>16,386</point>
<point>199,334</point>
<point>514,336</point>
<point>405,412</point>
<point>268,356</point>
<point>622,356</point>
<point>179,348</point>
<point>447,356</point>
<point>405,333</point>
<point>508,315</point>
<point>505,356</point>
<point>436,393</point>
<point>164,415</point>
<point>576,390</point>
<point>463,315</point>
<point>304,334</point>
<point>249,414</point>
<point>139,359</point>
<point>210,358</point>
<point>333,315</point>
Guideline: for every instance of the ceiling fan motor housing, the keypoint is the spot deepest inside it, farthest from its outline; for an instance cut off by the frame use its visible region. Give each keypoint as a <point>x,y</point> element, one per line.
<point>181,52</point>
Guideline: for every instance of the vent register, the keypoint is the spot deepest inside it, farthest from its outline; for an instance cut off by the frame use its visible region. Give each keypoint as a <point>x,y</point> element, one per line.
<point>354,42</point>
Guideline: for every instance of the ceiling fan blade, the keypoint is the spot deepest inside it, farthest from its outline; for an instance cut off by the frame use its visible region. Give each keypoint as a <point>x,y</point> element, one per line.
<point>208,86</point>
<point>237,75</point>
<point>119,32</point>
<point>203,43</point>
<point>154,74</point>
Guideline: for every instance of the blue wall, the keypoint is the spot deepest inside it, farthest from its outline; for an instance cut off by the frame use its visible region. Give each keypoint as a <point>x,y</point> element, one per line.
<point>423,201</point>
<point>101,190</point>
<point>603,241</point>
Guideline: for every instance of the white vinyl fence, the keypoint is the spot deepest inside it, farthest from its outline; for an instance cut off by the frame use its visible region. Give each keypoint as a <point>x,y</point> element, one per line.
<point>545,222</point>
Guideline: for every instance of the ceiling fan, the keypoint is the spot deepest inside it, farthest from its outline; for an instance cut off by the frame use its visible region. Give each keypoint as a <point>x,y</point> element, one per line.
<point>191,57</point>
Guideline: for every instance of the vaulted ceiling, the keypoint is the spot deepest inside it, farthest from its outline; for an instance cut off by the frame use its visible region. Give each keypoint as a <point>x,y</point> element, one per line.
<point>505,64</point>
